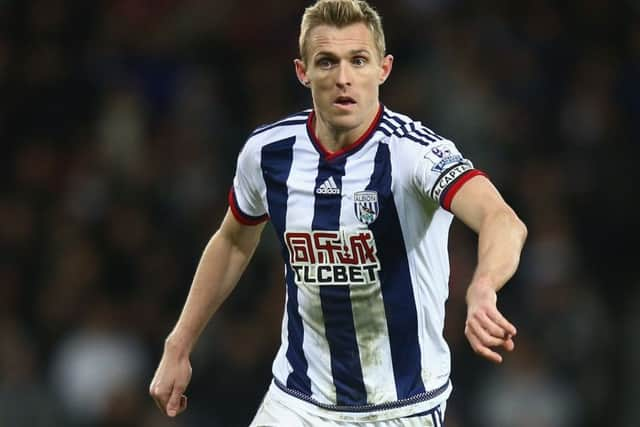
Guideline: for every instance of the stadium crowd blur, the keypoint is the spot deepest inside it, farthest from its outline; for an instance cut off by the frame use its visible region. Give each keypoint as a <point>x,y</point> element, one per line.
<point>120,122</point>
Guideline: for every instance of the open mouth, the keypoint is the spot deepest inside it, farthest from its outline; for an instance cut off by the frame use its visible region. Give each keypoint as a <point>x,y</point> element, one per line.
<point>344,101</point>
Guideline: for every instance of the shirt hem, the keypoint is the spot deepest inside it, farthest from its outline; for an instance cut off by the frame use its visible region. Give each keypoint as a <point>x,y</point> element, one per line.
<point>386,411</point>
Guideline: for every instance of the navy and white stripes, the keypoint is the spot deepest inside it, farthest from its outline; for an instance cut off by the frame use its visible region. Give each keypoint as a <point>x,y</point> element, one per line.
<point>348,344</point>
<point>402,126</point>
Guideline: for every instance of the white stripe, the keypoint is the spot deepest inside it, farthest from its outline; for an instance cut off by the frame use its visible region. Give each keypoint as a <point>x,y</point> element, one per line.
<point>401,117</point>
<point>301,183</point>
<point>419,126</point>
<point>332,183</point>
<point>425,229</point>
<point>386,127</point>
<point>281,366</point>
<point>369,316</point>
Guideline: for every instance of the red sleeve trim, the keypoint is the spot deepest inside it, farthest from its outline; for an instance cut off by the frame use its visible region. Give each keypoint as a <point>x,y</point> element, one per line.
<point>457,185</point>
<point>242,217</point>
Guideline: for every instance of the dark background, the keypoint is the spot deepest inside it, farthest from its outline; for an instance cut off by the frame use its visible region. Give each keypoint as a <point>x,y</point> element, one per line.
<point>120,122</point>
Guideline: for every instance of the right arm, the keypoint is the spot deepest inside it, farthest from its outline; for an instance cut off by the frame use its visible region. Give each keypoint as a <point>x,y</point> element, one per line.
<point>221,265</point>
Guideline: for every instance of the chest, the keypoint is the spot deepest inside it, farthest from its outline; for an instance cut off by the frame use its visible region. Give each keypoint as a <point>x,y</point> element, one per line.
<point>345,193</point>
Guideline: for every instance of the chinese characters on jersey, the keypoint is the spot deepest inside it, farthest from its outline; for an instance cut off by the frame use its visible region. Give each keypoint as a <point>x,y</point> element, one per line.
<point>333,257</point>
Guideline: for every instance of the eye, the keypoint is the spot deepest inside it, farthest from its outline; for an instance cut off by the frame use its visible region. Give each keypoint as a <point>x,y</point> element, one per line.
<point>324,63</point>
<point>359,61</point>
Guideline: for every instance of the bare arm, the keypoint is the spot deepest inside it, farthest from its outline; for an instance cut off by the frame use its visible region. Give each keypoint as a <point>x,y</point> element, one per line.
<point>222,263</point>
<point>501,236</point>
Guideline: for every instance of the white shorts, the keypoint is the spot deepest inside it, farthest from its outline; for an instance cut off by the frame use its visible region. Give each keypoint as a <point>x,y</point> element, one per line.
<point>274,413</point>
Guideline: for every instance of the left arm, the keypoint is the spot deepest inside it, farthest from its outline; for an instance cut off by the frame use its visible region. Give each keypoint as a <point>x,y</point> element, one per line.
<point>501,236</point>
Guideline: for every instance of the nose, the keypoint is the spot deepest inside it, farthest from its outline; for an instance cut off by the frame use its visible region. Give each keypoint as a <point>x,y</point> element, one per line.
<point>344,75</point>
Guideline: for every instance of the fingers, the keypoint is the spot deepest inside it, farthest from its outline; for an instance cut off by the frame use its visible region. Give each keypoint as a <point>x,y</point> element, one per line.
<point>491,327</point>
<point>482,332</point>
<point>171,402</point>
<point>177,402</point>
<point>480,348</point>
<point>488,328</point>
<point>499,319</point>
<point>169,384</point>
<point>160,394</point>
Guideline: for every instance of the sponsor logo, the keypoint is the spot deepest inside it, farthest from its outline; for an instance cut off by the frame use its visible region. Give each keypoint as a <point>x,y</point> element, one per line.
<point>328,187</point>
<point>442,164</point>
<point>447,178</point>
<point>365,204</point>
<point>333,257</point>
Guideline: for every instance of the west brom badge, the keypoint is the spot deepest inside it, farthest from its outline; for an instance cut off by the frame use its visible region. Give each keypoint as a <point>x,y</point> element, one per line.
<point>366,206</point>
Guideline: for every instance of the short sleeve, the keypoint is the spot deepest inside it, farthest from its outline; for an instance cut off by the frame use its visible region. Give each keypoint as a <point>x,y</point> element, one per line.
<point>442,171</point>
<point>245,196</point>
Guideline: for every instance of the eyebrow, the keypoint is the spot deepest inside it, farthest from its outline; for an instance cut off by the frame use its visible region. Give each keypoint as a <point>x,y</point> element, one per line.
<point>351,52</point>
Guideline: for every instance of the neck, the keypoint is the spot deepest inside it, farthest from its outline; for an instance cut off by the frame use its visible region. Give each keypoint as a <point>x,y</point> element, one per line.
<point>334,138</point>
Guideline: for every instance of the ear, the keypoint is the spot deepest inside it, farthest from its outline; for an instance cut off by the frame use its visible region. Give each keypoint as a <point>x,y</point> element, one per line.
<point>301,72</point>
<point>385,69</point>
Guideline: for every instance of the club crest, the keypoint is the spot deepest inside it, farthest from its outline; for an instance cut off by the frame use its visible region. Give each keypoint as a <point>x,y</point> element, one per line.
<point>366,206</point>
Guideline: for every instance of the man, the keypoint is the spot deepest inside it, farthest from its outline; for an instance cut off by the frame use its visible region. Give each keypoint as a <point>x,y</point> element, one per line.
<point>361,199</point>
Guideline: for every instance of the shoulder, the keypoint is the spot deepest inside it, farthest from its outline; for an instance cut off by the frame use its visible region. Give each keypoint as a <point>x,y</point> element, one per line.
<point>406,131</point>
<point>291,124</point>
<point>265,135</point>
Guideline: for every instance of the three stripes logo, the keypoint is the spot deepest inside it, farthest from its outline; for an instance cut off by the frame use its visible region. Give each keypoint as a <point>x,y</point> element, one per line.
<point>328,187</point>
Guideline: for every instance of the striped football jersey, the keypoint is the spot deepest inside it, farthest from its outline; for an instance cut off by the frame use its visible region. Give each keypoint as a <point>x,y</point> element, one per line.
<point>363,233</point>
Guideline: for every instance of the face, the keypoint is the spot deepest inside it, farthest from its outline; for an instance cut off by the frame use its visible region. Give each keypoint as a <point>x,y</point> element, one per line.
<point>344,71</point>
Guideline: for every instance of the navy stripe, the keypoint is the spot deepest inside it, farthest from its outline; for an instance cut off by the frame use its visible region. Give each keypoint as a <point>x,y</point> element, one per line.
<point>395,119</point>
<point>431,136</point>
<point>395,278</point>
<point>430,132</point>
<point>403,132</point>
<point>276,162</point>
<point>297,115</point>
<point>278,124</point>
<point>419,140</point>
<point>386,129</point>
<point>425,135</point>
<point>413,136</point>
<point>415,130</point>
<point>336,299</point>
<point>422,131</point>
<point>440,415</point>
<point>424,413</point>
<point>396,129</point>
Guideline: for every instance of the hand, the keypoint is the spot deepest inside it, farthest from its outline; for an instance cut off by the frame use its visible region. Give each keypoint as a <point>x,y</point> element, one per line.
<point>485,326</point>
<point>170,382</point>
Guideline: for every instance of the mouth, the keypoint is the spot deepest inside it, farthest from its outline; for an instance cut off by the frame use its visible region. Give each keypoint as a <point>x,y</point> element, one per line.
<point>344,101</point>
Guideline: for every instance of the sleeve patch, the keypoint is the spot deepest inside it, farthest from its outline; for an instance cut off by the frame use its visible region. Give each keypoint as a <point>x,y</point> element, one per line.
<point>447,178</point>
<point>442,164</point>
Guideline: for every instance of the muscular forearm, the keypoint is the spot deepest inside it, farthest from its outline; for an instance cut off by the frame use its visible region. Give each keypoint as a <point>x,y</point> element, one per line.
<point>500,240</point>
<point>223,261</point>
<point>219,269</point>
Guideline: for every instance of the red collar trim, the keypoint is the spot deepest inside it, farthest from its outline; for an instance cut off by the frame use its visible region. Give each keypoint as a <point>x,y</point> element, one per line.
<point>329,155</point>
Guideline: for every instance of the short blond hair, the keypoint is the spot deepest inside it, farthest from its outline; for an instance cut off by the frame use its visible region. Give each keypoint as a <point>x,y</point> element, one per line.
<point>341,13</point>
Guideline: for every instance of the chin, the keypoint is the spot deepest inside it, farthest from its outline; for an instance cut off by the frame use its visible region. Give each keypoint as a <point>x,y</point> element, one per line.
<point>345,120</point>
<point>345,123</point>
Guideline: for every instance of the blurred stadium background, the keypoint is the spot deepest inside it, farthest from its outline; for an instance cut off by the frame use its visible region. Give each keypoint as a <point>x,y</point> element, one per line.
<point>120,122</point>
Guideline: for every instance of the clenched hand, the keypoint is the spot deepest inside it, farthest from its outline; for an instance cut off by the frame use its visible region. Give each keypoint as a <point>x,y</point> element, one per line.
<point>170,382</point>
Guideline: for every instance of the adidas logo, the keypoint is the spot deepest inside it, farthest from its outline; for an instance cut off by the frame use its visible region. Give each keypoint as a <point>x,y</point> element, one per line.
<point>328,187</point>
